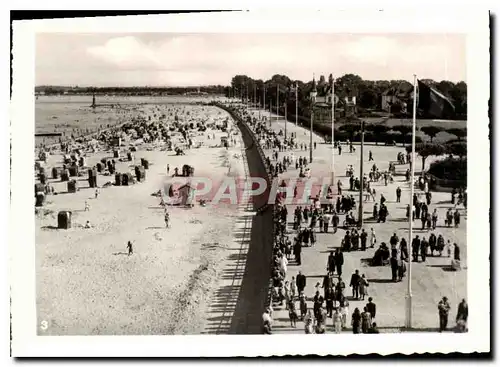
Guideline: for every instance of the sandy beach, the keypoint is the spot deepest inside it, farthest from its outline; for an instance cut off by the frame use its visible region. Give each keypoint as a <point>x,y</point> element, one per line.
<point>86,282</point>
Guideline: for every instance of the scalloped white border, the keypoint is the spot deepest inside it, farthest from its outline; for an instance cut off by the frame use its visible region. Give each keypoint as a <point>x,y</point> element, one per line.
<point>426,19</point>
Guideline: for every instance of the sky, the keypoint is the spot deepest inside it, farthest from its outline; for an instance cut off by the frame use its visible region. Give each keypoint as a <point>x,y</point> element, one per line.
<point>175,59</point>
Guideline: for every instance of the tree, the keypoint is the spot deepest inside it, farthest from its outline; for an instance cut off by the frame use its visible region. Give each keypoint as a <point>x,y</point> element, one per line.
<point>459,133</point>
<point>350,130</point>
<point>425,150</point>
<point>403,130</point>
<point>431,131</point>
<point>378,131</point>
<point>458,148</point>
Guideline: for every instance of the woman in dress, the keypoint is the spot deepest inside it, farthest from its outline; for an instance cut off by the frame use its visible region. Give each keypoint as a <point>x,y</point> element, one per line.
<point>363,285</point>
<point>344,310</point>
<point>356,321</point>
<point>292,313</point>
<point>366,321</point>
<point>293,289</point>
<point>337,321</point>
<point>286,291</point>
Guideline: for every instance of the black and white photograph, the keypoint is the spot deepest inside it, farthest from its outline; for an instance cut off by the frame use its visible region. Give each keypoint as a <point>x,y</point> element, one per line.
<point>221,176</point>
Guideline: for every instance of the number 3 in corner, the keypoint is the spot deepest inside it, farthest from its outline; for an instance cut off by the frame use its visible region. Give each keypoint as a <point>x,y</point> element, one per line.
<point>44,325</point>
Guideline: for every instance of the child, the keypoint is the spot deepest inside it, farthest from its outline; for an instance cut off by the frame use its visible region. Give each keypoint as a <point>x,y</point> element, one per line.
<point>292,313</point>
<point>293,289</point>
<point>303,306</point>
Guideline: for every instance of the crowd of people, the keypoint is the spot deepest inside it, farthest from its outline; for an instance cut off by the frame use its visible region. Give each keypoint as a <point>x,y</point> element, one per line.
<point>329,300</point>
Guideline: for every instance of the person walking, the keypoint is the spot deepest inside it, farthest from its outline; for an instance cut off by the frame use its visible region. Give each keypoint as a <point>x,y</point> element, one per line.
<point>373,238</point>
<point>354,284</point>
<point>394,268</point>
<point>130,249</point>
<point>267,322</point>
<point>356,321</point>
<point>335,221</point>
<point>371,307</point>
<point>292,313</point>
<point>339,262</point>
<point>462,315</point>
<point>434,218</point>
<point>424,245</point>
<point>363,287</point>
<point>366,321</point>
<point>370,156</point>
<point>87,206</point>
<point>301,282</point>
<point>330,264</point>
<point>443,309</point>
<point>363,236</point>
<point>337,321</point>
<point>293,289</point>
<point>297,249</point>
<point>456,218</point>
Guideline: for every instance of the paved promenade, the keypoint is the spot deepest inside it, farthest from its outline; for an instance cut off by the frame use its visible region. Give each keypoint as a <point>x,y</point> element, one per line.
<point>431,280</point>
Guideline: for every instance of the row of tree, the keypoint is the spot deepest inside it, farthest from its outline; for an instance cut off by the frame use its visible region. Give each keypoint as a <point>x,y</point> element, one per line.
<point>368,92</point>
<point>130,91</point>
<point>379,130</point>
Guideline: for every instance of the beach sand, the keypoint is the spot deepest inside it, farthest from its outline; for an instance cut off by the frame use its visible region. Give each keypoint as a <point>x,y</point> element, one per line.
<point>88,285</point>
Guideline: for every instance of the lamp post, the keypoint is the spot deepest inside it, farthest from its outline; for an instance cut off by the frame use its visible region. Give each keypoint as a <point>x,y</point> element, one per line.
<point>361,188</point>
<point>313,95</point>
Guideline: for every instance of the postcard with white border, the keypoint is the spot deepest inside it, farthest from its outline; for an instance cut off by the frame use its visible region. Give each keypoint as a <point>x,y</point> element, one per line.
<point>224,183</point>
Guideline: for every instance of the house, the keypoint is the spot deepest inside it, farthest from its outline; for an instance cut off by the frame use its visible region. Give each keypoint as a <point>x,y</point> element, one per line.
<point>397,96</point>
<point>345,104</point>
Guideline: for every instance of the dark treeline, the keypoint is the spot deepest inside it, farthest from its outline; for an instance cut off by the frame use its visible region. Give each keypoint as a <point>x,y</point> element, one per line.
<point>130,91</point>
<point>369,94</point>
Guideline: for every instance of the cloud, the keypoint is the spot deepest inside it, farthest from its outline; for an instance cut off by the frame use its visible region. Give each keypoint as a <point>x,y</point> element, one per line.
<point>193,59</point>
<point>125,52</point>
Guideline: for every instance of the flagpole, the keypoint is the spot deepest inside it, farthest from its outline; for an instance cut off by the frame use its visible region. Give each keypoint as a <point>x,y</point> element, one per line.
<point>285,117</point>
<point>332,142</point>
<point>296,104</point>
<point>277,102</point>
<point>409,306</point>
<point>264,99</point>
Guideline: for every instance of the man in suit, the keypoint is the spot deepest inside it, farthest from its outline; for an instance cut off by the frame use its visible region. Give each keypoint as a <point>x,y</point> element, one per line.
<point>339,261</point>
<point>371,307</point>
<point>301,282</point>
<point>355,278</point>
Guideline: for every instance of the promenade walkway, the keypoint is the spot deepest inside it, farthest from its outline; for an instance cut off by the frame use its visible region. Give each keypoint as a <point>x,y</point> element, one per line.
<point>431,280</point>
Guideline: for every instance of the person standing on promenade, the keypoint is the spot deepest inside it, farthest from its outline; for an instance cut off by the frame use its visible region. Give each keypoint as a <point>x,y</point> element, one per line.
<point>337,321</point>
<point>354,284</point>
<point>339,262</point>
<point>443,309</point>
<point>267,322</point>
<point>366,321</point>
<point>462,315</point>
<point>356,321</point>
<point>373,238</point>
<point>297,249</point>
<point>330,263</point>
<point>363,236</point>
<point>301,282</point>
<point>371,307</point>
<point>130,249</point>
<point>398,195</point>
<point>335,221</point>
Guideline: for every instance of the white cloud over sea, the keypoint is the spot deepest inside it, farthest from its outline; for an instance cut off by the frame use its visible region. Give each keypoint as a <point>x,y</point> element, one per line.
<point>199,59</point>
